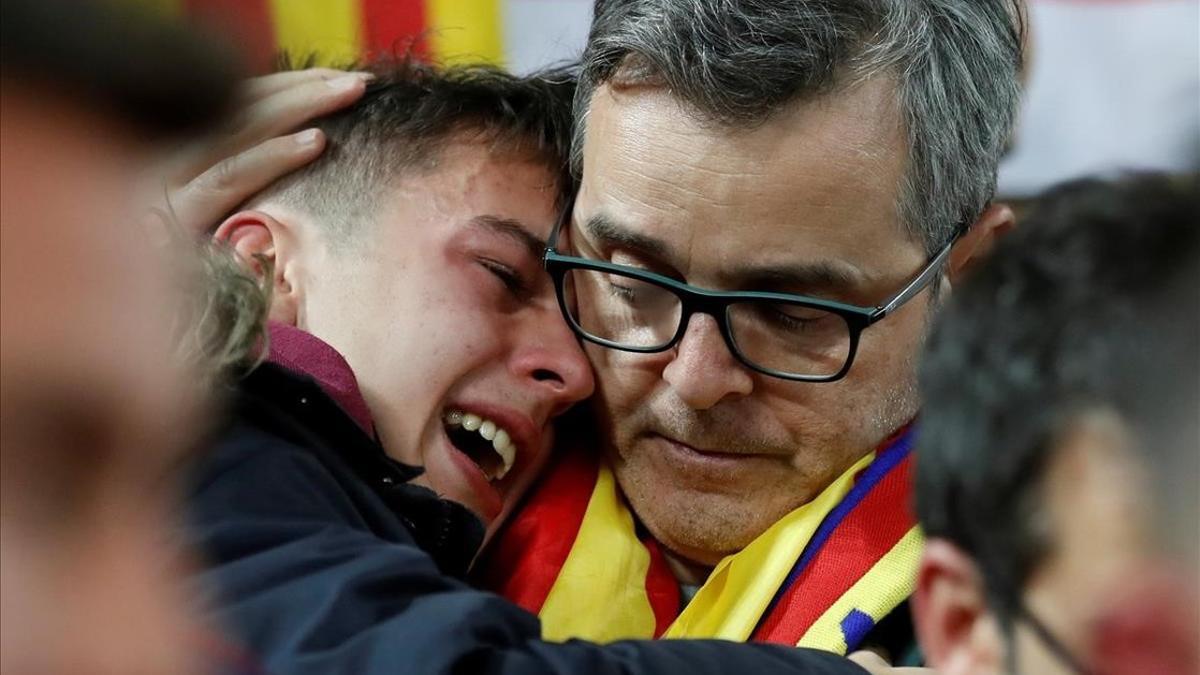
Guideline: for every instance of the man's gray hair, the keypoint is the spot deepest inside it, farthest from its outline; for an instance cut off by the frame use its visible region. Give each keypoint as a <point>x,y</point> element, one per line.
<point>738,62</point>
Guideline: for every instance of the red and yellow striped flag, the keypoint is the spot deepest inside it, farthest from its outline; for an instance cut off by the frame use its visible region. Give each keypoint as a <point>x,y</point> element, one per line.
<point>337,31</point>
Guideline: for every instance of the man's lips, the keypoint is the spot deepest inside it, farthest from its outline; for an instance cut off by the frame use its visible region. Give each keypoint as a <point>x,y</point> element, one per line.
<point>703,460</point>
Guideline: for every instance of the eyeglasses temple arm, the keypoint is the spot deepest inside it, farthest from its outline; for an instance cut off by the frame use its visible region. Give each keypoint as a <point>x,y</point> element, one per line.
<point>551,245</point>
<point>1051,642</point>
<point>563,219</point>
<point>916,285</point>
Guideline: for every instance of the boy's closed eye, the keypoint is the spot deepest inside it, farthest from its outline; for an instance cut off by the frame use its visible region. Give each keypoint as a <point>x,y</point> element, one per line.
<point>510,252</point>
<point>513,280</point>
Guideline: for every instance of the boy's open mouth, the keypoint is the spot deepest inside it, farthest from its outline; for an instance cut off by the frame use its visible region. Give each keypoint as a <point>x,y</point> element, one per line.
<point>482,441</point>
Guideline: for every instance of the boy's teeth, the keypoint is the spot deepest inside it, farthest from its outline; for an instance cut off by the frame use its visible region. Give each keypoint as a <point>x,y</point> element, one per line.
<point>501,439</point>
<point>507,451</point>
<point>488,429</point>
<point>501,442</point>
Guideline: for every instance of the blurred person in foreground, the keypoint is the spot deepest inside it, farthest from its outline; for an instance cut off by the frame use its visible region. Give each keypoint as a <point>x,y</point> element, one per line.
<point>99,401</point>
<point>1060,452</point>
<point>417,360</point>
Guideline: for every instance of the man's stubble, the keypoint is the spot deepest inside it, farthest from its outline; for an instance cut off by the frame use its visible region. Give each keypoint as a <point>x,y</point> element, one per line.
<point>712,524</point>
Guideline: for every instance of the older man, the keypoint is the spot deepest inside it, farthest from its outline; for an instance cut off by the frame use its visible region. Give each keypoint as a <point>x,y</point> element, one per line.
<point>773,195</point>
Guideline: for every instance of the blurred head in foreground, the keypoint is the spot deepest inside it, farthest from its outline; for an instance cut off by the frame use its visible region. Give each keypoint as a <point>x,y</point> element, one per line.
<point>1059,458</point>
<point>95,400</point>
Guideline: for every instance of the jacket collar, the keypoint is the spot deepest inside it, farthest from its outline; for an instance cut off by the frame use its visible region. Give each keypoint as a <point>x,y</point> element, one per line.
<point>446,530</point>
<point>305,353</point>
<point>292,405</point>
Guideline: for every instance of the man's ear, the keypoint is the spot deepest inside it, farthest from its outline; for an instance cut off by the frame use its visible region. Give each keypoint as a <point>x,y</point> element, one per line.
<point>996,221</point>
<point>265,245</point>
<point>957,633</point>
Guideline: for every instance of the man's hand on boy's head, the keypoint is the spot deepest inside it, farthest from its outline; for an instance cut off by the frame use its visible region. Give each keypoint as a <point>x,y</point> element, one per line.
<point>208,180</point>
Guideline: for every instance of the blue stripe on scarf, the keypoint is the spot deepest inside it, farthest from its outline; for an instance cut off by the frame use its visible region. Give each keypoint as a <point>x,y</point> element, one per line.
<point>885,461</point>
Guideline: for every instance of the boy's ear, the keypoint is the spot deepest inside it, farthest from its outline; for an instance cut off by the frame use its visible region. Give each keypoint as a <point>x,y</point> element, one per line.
<point>265,245</point>
<point>957,632</point>
<point>995,222</point>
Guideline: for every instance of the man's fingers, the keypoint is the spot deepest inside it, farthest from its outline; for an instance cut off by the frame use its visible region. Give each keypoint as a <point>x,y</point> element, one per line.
<point>876,665</point>
<point>287,109</point>
<point>872,662</point>
<point>273,116</point>
<point>200,205</point>
<point>210,180</point>
<point>258,88</point>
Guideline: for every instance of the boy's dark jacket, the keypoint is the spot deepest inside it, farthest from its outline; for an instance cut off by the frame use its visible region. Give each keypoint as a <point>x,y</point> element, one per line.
<point>323,558</point>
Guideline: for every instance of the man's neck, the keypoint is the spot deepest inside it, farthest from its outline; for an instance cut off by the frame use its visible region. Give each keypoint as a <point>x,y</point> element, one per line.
<point>687,572</point>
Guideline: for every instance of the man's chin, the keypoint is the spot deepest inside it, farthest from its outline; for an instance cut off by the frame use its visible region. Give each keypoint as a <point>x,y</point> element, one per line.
<point>702,527</point>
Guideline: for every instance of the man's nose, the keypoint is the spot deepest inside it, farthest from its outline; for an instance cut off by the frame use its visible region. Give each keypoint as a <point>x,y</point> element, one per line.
<point>703,370</point>
<point>552,359</point>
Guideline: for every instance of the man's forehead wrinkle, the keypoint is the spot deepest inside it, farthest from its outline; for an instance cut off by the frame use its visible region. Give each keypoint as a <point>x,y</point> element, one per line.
<point>674,168</point>
<point>816,183</point>
<point>669,169</point>
<point>716,165</point>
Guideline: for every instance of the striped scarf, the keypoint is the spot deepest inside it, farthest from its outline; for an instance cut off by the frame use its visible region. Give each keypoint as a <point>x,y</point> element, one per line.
<point>821,577</point>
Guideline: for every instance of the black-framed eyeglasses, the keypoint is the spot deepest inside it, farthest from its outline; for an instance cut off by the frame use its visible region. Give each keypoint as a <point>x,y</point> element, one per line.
<point>793,337</point>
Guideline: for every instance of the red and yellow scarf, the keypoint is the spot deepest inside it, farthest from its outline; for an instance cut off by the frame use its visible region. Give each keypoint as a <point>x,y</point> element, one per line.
<point>821,577</point>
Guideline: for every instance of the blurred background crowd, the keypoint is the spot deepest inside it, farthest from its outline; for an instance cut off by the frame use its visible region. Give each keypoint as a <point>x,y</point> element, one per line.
<point>1109,84</point>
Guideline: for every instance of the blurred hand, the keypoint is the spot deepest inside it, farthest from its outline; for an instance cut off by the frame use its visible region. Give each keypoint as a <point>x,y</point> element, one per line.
<point>208,180</point>
<point>875,665</point>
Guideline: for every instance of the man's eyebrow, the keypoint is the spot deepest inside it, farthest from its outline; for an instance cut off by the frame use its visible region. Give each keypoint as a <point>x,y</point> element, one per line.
<point>816,276</point>
<point>604,230</point>
<point>513,229</point>
<point>824,275</point>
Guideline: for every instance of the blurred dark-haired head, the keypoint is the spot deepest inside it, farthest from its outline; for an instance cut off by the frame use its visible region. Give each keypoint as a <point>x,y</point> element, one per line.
<point>158,77</point>
<point>1059,447</point>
